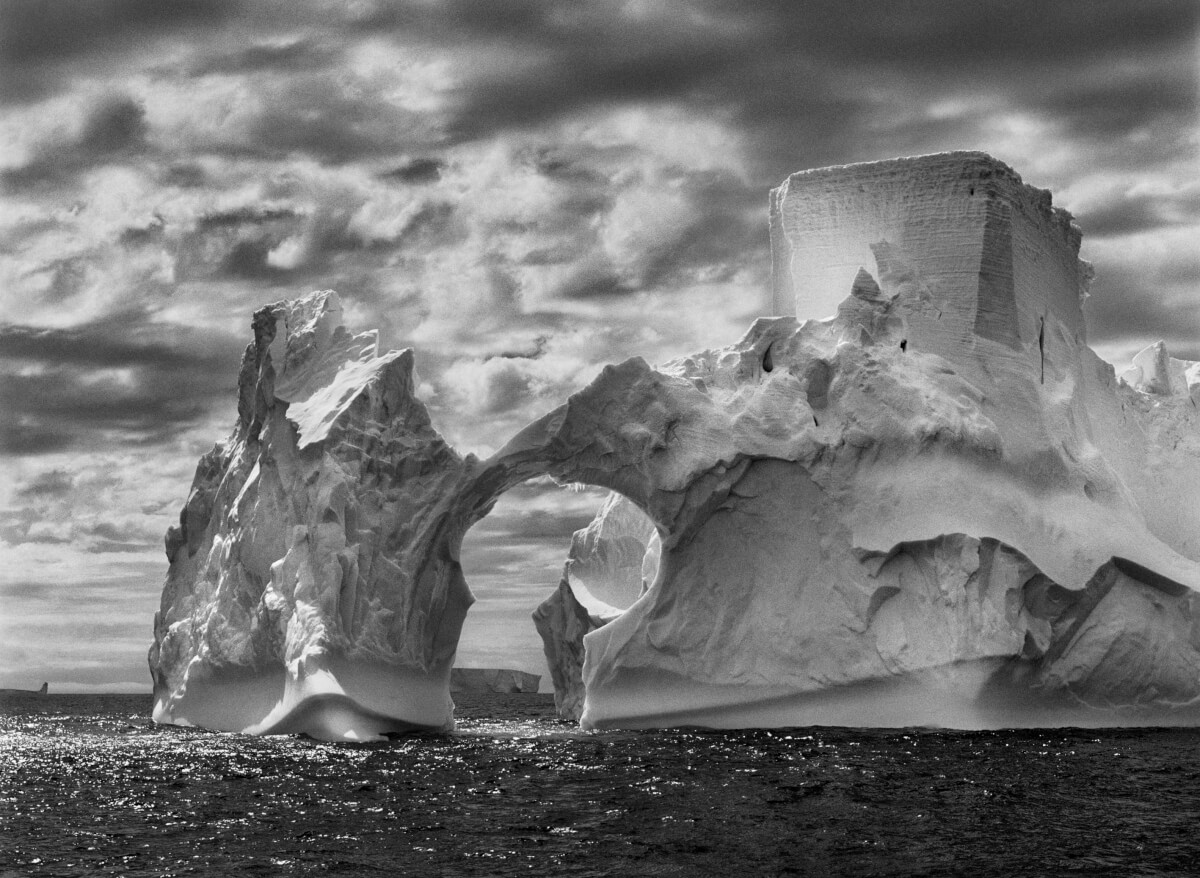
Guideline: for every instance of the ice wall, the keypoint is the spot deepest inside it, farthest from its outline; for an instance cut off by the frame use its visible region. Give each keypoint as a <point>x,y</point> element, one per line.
<point>961,226</point>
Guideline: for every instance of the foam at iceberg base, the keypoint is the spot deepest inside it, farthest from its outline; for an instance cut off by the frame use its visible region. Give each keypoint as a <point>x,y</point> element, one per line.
<point>936,506</point>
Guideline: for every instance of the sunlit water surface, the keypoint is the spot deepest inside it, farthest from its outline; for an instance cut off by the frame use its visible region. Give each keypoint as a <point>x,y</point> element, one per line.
<point>88,786</point>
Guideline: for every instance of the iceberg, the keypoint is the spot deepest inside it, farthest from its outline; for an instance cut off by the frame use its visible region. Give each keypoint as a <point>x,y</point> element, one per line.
<point>914,497</point>
<point>493,680</point>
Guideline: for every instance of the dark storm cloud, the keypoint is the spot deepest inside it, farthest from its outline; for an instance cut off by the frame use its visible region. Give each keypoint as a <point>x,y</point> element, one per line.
<point>809,81</point>
<point>594,282</point>
<point>39,29</point>
<point>109,381</point>
<point>299,56</point>
<point>141,236</point>
<point>416,172</point>
<point>52,483</point>
<point>68,398</point>
<point>107,537</point>
<point>120,341</point>
<point>317,116</point>
<point>237,243</point>
<point>577,65</point>
<point>114,131</point>
<point>727,231</point>
<point>1126,214</point>
<point>40,39</point>
<point>117,125</point>
<point>185,175</point>
<point>247,260</point>
<point>243,216</point>
<point>48,537</point>
<point>20,439</point>
<point>1128,301</point>
<point>1122,101</point>
<point>778,70</point>
<point>931,34</point>
<point>28,590</point>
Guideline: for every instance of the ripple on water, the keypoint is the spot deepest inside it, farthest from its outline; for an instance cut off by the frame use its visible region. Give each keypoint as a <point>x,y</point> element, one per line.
<point>91,787</point>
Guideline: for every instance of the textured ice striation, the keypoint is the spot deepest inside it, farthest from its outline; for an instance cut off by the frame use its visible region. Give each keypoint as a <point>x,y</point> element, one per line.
<point>935,506</point>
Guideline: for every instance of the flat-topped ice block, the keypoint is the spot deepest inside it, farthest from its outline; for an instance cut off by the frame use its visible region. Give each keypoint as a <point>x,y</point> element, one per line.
<point>959,226</point>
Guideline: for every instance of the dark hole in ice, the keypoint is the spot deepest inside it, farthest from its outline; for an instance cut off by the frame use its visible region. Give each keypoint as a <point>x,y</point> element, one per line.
<point>767,363</point>
<point>818,377</point>
<point>904,344</point>
<point>1042,346</point>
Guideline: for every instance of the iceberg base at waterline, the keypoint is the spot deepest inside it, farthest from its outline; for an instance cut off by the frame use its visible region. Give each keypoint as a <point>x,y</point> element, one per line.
<point>345,701</point>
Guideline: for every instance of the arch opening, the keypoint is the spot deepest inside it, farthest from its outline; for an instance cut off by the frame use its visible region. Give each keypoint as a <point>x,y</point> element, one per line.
<point>538,539</point>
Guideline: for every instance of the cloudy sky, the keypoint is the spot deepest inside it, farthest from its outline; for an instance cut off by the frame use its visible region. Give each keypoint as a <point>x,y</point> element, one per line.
<point>518,190</point>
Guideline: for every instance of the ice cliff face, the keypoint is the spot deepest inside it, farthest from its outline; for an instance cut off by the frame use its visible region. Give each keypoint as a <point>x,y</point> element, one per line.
<point>936,506</point>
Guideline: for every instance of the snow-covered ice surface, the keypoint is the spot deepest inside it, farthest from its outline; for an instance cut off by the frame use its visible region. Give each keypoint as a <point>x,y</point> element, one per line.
<point>936,506</point>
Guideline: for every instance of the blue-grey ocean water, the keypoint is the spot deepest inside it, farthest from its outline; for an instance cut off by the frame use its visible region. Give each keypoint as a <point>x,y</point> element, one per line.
<point>88,786</point>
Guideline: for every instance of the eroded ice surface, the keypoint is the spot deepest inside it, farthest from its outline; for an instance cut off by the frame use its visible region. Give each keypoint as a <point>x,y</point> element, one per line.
<point>935,506</point>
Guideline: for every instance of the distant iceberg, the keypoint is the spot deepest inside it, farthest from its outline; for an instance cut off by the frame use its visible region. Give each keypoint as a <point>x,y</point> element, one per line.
<point>45,690</point>
<point>493,680</point>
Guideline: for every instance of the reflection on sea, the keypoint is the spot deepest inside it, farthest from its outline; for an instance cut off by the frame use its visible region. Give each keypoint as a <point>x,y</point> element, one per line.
<point>88,786</point>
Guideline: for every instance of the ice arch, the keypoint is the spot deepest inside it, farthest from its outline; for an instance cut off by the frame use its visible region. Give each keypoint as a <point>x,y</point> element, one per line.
<point>315,583</point>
